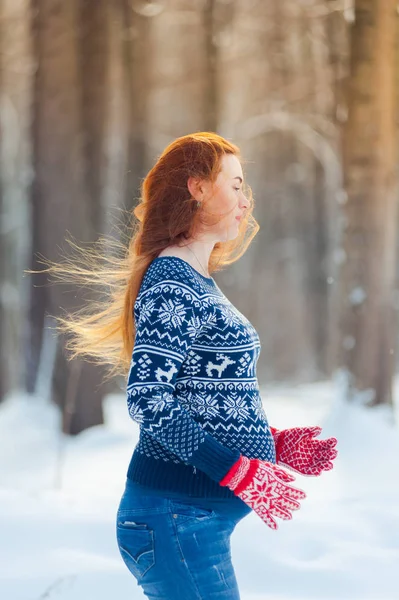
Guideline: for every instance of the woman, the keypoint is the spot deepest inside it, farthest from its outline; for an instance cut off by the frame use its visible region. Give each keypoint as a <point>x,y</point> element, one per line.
<point>206,455</point>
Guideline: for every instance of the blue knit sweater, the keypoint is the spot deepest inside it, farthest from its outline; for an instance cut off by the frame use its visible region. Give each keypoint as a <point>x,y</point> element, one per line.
<point>192,384</point>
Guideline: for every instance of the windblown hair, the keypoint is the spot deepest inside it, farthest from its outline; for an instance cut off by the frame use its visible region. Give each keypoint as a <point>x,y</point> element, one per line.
<point>166,214</point>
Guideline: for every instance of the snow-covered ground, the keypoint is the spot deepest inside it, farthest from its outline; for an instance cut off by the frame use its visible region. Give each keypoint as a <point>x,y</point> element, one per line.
<point>59,496</point>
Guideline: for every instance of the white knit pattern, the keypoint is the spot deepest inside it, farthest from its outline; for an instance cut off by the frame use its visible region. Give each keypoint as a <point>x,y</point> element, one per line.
<point>193,368</point>
<point>241,472</point>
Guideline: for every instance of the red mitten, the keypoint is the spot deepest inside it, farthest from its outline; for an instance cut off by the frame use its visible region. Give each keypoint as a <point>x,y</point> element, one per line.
<point>263,486</point>
<point>297,450</point>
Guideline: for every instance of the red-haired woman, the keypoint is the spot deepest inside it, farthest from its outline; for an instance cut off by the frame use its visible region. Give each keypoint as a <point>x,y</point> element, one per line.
<point>206,455</point>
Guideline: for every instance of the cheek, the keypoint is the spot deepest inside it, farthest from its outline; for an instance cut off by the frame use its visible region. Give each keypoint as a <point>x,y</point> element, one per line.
<point>223,204</point>
<point>227,200</point>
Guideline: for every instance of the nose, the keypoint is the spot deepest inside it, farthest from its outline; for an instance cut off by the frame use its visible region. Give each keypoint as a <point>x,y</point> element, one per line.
<point>244,202</point>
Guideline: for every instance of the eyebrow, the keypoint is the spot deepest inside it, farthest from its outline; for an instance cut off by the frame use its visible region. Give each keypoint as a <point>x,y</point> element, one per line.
<point>238,178</point>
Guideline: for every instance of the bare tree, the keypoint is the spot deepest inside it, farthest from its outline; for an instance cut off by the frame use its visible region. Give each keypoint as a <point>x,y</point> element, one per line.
<point>94,53</point>
<point>367,321</point>
<point>60,193</point>
<point>136,57</point>
<point>16,75</point>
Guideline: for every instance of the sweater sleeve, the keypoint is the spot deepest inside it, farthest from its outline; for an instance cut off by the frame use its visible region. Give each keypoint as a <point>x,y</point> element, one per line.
<point>168,319</point>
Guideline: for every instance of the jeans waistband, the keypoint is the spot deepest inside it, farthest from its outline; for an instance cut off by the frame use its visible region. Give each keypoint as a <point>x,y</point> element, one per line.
<point>233,508</point>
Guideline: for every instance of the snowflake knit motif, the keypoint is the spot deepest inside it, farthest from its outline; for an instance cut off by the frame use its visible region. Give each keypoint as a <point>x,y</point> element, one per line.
<point>192,384</point>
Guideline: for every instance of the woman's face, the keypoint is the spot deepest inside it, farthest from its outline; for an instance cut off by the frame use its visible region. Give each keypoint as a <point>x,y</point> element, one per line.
<point>225,200</point>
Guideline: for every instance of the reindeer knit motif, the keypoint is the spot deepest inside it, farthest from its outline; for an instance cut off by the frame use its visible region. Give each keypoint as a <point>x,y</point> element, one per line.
<point>192,384</point>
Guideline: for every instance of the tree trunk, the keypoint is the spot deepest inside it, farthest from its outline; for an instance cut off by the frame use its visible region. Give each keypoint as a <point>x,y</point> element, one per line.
<point>211,100</point>
<point>94,57</point>
<point>367,323</point>
<point>60,196</point>
<point>136,53</point>
<point>17,67</point>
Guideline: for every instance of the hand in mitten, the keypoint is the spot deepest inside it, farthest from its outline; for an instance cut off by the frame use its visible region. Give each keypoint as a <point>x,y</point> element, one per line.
<point>297,450</point>
<point>264,487</point>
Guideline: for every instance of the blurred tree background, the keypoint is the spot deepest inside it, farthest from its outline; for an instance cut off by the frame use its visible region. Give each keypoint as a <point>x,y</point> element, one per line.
<point>91,91</point>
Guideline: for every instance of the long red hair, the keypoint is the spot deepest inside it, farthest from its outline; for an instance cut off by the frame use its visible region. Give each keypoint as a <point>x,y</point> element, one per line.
<point>104,329</point>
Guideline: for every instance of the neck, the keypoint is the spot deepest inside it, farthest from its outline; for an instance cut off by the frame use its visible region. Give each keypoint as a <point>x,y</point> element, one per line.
<point>198,250</point>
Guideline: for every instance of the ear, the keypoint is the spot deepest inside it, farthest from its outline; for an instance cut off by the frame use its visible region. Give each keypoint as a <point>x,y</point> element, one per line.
<point>196,187</point>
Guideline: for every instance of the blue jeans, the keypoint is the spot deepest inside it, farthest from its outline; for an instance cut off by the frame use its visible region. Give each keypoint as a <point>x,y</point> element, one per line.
<point>178,547</point>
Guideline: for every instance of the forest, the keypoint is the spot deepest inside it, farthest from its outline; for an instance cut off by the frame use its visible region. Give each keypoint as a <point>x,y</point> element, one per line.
<point>91,91</point>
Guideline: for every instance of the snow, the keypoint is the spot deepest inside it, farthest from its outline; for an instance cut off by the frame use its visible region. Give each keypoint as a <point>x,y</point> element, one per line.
<point>59,496</point>
<point>357,296</point>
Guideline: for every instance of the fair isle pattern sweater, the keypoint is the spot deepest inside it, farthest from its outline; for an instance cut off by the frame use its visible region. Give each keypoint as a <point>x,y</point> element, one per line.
<point>192,384</point>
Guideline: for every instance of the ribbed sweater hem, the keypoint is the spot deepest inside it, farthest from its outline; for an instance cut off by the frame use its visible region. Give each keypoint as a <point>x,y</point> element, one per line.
<point>168,476</point>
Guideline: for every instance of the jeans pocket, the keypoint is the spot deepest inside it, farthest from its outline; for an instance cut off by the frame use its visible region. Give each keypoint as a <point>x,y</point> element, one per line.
<point>190,513</point>
<point>136,546</point>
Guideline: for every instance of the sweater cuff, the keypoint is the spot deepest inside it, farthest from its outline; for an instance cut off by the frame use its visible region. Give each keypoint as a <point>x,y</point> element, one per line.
<point>276,434</point>
<point>213,458</point>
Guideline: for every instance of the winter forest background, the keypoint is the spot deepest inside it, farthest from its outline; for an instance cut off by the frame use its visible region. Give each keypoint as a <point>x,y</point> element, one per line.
<point>91,91</point>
